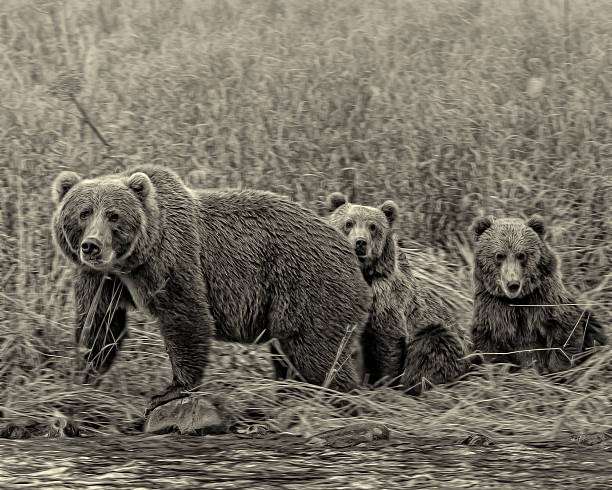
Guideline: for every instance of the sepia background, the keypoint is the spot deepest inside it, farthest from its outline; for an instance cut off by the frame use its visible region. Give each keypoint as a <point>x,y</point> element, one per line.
<point>451,108</point>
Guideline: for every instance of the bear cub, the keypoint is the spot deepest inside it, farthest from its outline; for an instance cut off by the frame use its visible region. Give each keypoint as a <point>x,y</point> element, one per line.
<point>230,264</point>
<point>520,302</point>
<point>410,334</point>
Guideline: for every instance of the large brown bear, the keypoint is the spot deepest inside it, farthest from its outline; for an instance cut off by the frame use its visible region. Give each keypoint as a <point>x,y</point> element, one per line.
<point>226,263</point>
<point>520,303</point>
<point>411,333</point>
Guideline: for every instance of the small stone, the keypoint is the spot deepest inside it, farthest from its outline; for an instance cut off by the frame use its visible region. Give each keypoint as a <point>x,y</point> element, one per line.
<point>194,416</point>
<point>477,440</point>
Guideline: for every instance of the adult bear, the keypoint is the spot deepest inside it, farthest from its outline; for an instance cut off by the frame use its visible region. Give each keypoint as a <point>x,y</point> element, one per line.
<point>206,263</point>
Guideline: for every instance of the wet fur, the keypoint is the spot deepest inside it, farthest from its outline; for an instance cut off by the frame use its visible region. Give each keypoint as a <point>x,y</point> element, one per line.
<point>411,333</point>
<point>499,326</point>
<point>229,264</point>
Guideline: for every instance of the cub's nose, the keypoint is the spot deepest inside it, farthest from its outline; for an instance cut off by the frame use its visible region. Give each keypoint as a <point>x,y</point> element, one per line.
<point>513,287</point>
<point>91,247</point>
<point>360,246</point>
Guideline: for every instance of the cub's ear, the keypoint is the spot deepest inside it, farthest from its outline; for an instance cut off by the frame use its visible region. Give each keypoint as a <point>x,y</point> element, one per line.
<point>335,200</point>
<point>536,223</point>
<point>391,211</point>
<point>482,224</point>
<point>63,183</point>
<point>140,184</point>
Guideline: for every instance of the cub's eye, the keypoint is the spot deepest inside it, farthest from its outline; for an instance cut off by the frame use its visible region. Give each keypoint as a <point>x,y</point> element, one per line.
<point>373,228</point>
<point>85,214</point>
<point>521,256</point>
<point>348,225</point>
<point>113,217</point>
<point>500,257</point>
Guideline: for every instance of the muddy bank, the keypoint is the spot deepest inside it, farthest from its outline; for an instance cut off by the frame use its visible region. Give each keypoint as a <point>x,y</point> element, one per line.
<point>227,461</point>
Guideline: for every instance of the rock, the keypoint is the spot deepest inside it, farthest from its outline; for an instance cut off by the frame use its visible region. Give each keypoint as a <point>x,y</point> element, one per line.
<point>477,439</point>
<point>190,415</point>
<point>351,435</point>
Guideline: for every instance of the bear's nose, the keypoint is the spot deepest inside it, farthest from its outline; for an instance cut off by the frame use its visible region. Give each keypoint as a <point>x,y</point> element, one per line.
<point>360,246</point>
<point>513,287</point>
<point>91,247</point>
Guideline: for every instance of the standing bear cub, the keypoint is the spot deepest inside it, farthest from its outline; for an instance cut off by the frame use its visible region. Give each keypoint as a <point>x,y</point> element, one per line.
<point>410,334</point>
<point>204,263</point>
<point>520,303</point>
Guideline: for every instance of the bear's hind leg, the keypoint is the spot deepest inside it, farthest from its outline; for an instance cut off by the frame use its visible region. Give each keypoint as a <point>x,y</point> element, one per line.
<point>433,356</point>
<point>314,357</point>
<point>281,369</point>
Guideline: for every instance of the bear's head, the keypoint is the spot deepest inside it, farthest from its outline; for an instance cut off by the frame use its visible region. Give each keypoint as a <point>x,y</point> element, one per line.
<point>511,256</point>
<point>98,222</point>
<point>369,231</point>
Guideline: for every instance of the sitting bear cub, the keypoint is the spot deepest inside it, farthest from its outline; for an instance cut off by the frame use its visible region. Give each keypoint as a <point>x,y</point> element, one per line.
<point>520,302</point>
<point>226,263</point>
<point>411,334</point>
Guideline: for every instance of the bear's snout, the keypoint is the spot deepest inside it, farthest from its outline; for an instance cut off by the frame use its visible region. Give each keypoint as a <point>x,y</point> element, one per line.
<point>95,253</point>
<point>511,276</point>
<point>91,248</point>
<point>361,247</point>
<point>513,287</point>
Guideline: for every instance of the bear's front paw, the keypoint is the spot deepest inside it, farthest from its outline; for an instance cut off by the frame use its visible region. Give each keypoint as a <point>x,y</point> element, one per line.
<point>172,393</point>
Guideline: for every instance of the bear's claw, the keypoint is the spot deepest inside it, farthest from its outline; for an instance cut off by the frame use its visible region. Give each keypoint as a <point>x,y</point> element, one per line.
<point>172,393</point>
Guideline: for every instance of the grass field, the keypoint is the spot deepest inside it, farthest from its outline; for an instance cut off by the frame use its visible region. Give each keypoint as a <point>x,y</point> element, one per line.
<point>451,108</point>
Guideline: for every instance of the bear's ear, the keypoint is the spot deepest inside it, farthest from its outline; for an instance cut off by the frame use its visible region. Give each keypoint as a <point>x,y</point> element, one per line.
<point>63,183</point>
<point>140,184</point>
<point>482,224</point>
<point>391,211</point>
<point>536,223</point>
<point>335,200</point>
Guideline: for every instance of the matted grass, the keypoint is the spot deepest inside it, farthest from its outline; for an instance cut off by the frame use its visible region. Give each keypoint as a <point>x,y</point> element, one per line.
<point>451,108</point>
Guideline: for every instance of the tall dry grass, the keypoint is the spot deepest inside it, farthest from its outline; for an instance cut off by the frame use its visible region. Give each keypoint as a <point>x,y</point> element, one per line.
<point>451,108</point>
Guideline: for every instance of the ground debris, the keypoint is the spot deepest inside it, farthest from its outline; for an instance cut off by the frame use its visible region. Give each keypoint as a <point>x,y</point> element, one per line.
<point>593,438</point>
<point>351,435</point>
<point>58,426</point>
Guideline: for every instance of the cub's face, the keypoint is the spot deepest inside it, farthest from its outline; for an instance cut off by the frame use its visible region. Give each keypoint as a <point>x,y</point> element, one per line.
<point>509,255</point>
<point>98,221</point>
<point>367,228</point>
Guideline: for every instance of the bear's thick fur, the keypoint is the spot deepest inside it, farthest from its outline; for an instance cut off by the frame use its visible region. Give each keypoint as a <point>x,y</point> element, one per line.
<point>411,333</point>
<point>520,302</point>
<point>204,263</point>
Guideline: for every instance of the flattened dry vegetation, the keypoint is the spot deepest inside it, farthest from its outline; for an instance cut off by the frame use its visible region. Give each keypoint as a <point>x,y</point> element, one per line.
<point>450,108</point>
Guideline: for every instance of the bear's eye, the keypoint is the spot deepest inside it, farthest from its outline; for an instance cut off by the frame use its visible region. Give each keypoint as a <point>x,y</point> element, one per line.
<point>373,228</point>
<point>500,257</point>
<point>521,256</point>
<point>348,225</point>
<point>85,214</point>
<point>113,217</point>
